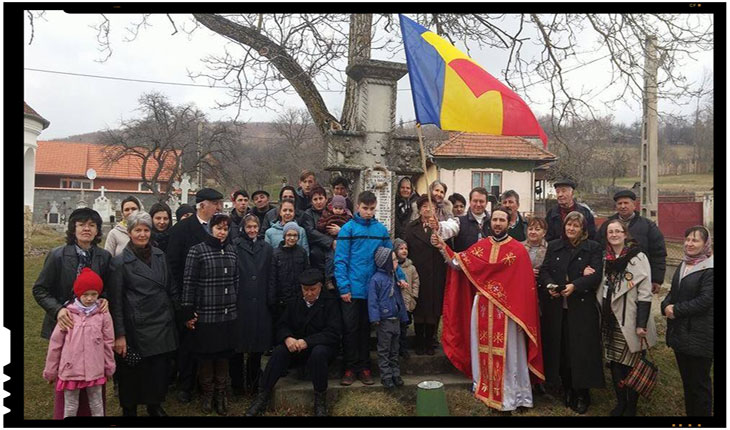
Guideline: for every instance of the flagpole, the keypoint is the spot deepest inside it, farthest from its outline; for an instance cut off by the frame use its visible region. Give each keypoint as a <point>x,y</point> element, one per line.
<point>425,169</point>
<point>425,176</point>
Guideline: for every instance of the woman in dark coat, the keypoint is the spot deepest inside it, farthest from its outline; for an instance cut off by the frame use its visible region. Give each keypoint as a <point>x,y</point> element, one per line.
<point>404,200</point>
<point>571,338</point>
<point>54,287</point>
<point>256,297</point>
<point>161,222</point>
<point>143,299</point>
<point>209,305</point>
<point>690,326</point>
<point>431,270</point>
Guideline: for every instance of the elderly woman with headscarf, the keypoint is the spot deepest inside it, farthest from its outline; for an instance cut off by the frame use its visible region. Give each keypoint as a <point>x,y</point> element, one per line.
<point>404,200</point>
<point>571,338</point>
<point>625,299</point>
<point>443,207</point>
<point>690,324</point>
<point>143,301</point>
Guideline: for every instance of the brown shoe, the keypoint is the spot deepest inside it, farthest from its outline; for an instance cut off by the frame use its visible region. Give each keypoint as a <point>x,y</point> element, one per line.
<point>348,378</point>
<point>366,377</point>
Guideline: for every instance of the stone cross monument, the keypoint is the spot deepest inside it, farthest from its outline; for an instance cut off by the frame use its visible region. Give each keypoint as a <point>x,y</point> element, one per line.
<point>185,187</point>
<point>369,152</point>
<point>103,205</point>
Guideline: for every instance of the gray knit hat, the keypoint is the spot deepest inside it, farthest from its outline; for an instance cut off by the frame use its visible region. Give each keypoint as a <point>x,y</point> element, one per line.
<point>291,225</point>
<point>382,256</point>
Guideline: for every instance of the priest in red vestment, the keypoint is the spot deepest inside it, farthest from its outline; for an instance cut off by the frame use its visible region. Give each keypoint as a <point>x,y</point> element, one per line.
<point>491,322</point>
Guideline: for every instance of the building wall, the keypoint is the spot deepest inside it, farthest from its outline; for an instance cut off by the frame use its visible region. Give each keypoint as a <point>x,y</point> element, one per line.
<point>45,196</point>
<point>517,175</point>
<point>54,181</point>
<point>32,129</point>
<point>459,181</point>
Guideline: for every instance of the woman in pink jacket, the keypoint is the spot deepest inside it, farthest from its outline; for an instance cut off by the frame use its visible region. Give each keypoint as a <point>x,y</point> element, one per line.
<point>82,356</point>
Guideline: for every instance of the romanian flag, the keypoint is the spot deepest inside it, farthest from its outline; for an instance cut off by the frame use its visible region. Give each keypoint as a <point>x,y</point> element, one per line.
<point>453,92</point>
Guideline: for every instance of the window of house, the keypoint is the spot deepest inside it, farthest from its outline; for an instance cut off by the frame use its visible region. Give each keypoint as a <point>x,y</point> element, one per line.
<point>486,179</point>
<point>142,187</point>
<point>76,183</point>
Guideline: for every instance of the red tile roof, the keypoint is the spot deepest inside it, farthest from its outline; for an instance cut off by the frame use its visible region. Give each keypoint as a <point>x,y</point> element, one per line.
<point>473,145</point>
<point>75,158</point>
<point>29,111</point>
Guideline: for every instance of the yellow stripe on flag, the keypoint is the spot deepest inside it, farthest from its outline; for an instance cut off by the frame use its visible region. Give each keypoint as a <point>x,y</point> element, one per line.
<point>461,110</point>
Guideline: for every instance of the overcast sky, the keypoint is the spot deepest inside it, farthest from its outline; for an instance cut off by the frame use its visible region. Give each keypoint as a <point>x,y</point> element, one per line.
<point>75,105</point>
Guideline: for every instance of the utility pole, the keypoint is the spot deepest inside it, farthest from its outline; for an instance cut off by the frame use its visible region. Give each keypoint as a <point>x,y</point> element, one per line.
<point>200,162</point>
<point>649,193</point>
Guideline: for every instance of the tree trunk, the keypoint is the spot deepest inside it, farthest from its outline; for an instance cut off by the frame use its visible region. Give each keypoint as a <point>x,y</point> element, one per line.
<point>361,25</point>
<point>284,63</point>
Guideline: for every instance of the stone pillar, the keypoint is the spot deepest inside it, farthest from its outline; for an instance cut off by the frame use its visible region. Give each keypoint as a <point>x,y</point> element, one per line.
<point>370,146</point>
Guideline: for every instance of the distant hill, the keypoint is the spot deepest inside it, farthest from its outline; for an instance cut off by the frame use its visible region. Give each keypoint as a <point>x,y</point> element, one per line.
<point>250,132</point>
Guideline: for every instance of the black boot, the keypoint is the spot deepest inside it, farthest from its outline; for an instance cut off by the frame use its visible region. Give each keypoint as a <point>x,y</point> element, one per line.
<point>617,376</point>
<point>320,404</point>
<point>632,398</point>
<point>259,404</point>
<point>221,402</point>
<point>156,411</point>
<point>130,411</point>
<point>206,402</point>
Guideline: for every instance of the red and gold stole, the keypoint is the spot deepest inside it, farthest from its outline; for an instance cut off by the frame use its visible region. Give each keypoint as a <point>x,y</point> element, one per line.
<point>500,273</point>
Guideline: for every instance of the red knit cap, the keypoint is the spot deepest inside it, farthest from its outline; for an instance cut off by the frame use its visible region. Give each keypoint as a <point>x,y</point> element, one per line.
<point>87,280</point>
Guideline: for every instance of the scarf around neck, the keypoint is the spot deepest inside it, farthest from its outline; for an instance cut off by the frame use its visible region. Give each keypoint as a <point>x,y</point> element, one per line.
<point>85,309</point>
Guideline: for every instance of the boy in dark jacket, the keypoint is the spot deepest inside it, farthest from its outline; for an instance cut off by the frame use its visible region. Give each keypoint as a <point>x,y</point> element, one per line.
<point>387,310</point>
<point>307,333</point>
<point>287,262</point>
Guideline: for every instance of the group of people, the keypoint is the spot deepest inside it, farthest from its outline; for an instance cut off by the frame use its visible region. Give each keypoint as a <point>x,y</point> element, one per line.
<point>200,302</point>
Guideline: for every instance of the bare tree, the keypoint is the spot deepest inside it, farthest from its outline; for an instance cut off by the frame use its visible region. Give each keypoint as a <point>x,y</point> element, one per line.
<point>299,144</point>
<point>271,54</point>
<point>168,141</point>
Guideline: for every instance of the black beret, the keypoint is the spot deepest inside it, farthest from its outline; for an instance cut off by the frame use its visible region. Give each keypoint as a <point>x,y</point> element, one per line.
<point>564,181</point>
<point>207,194</point>
<point>257,192</point>
<point>624,193</point>
<point>310,277</point>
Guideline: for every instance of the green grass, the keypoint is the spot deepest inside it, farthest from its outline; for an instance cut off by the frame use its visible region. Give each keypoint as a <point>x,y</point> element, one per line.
<point>667,399</point>
<point>675,183</point>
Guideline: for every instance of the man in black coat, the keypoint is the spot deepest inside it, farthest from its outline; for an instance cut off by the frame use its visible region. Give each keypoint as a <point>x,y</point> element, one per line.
<point>467,229</point>
<point>183,236</point>
<point>240,210</point>
<point>644,231</point>
<point>566,204</point>
<point>308,333</point>
<point>261,205</point>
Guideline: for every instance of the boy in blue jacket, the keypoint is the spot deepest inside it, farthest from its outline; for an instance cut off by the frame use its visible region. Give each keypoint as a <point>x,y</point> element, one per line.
<point>387,309</point>
<point>354,266</point>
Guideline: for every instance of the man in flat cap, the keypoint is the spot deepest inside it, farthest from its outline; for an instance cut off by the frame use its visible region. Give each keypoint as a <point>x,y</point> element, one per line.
<point>307,333</point>
<point>183,236</point>
<point>261,204</point>
<point>566,204</point>
<point>644,231</point>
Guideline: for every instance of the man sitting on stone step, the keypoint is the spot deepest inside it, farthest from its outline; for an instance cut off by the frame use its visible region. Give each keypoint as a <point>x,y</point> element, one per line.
<point>308,334</point>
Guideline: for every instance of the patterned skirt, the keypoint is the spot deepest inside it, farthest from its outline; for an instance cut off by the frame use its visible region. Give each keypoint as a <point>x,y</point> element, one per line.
<point>615,347</point>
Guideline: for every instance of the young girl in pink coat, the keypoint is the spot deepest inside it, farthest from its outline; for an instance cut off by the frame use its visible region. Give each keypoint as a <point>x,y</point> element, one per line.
<point>82,356</point>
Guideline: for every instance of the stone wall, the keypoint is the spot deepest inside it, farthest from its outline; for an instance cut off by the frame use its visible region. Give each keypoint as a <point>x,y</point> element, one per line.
<point>67,201</point>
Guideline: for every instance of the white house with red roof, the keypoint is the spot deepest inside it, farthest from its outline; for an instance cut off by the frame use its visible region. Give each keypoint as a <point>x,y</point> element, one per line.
<point>468,160</point>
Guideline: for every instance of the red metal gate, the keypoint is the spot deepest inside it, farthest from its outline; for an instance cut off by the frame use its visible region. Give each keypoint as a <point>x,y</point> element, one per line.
<point>676,217</point>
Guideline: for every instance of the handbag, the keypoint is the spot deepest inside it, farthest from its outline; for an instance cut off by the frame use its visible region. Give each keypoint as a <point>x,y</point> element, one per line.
<point>642,377</point>
<point>132,358</point>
